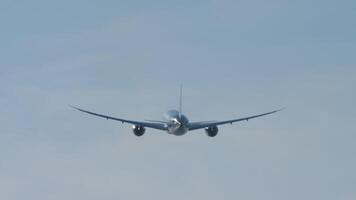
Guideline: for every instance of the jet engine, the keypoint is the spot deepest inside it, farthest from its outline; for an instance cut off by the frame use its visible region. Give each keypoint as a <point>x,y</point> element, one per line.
<point>138,130</point>
<point>212,131</point>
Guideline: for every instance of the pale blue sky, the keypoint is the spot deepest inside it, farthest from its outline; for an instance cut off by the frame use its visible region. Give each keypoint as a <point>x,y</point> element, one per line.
<point>128,58</point>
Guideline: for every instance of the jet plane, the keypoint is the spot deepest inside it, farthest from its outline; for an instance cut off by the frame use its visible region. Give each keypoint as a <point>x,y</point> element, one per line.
<point>175,122</point>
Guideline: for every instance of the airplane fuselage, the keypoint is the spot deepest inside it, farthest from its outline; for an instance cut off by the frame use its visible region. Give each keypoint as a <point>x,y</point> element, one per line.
<point>177,123</point>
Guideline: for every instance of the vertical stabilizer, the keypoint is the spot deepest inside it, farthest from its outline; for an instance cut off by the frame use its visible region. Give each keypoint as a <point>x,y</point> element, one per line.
<point>180,101</point>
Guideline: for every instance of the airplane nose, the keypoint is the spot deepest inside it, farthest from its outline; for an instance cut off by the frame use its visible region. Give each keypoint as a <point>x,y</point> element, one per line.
<point>176,122</point>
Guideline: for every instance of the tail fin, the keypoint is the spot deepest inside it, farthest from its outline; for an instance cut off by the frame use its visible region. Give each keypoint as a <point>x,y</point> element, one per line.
<point>180,101</point>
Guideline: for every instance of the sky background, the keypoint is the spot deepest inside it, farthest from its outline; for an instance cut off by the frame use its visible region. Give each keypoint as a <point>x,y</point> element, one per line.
<point>128,58</point>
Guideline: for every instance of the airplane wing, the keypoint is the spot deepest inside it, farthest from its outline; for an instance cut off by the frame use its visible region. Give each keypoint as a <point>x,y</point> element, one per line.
<point>200,125</point>
<point>159,126</point>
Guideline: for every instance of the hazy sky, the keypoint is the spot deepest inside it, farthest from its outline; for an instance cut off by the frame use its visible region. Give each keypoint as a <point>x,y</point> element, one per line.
<point>128,58</point>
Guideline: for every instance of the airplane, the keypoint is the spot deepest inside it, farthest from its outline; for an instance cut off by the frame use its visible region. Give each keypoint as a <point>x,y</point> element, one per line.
<point>175,122</point>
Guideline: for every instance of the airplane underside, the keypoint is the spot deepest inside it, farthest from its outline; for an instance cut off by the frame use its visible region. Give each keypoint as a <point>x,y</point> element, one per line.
<point>178,131</point>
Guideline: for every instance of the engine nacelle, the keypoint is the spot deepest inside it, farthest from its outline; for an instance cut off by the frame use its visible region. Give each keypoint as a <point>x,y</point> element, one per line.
<point>138,130</point>
<point>212,131</point>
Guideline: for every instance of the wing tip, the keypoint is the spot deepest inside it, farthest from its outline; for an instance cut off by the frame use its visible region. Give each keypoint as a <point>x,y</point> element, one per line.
<point>278,110</point>
<point>69,105</point>
<point>283,108</point>
<point>74,107</point>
